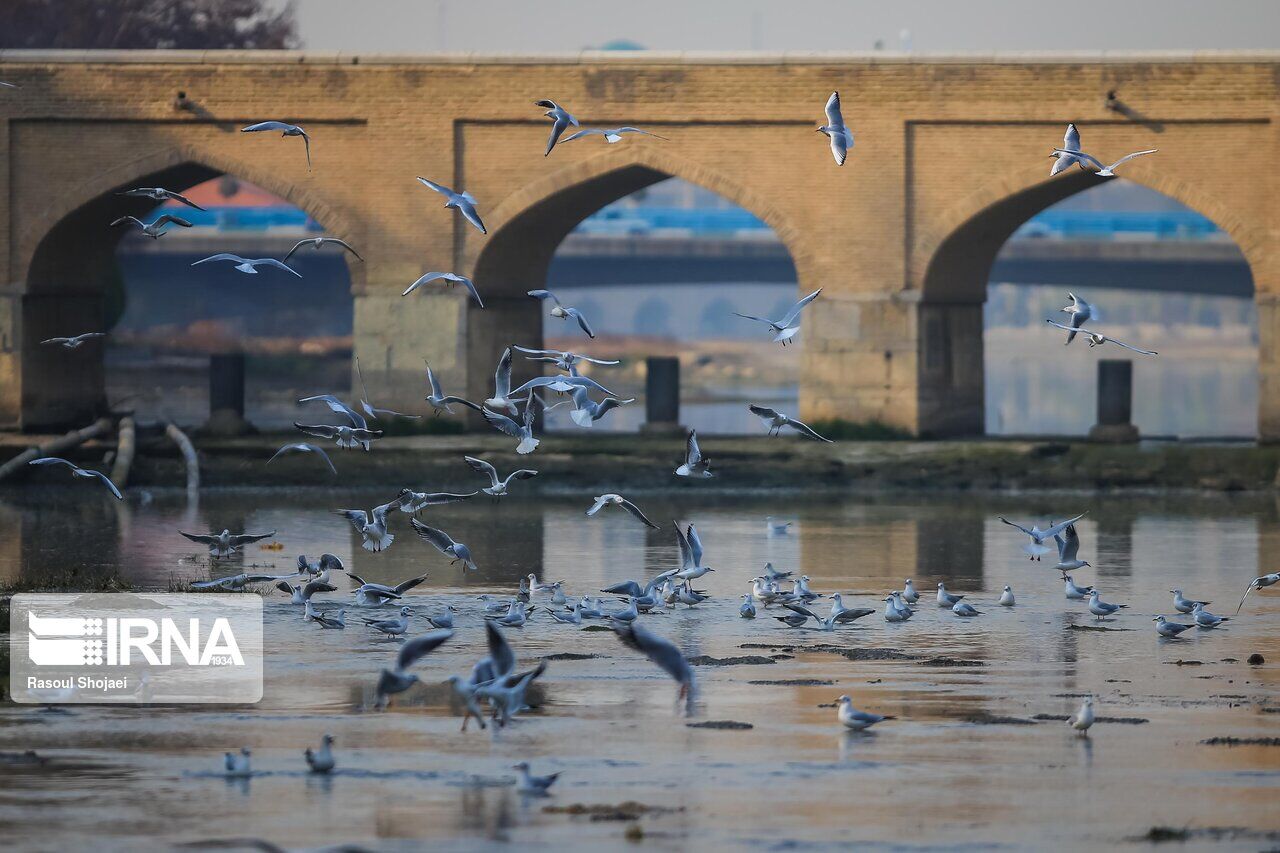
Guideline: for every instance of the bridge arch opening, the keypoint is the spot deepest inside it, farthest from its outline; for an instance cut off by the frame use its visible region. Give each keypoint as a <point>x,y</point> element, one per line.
<point>1162,277</point>
<point>658,259</point>
<point>165,318</point>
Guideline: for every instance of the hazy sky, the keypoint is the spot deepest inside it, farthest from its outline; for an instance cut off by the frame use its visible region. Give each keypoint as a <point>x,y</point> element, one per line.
<point>555,26</point>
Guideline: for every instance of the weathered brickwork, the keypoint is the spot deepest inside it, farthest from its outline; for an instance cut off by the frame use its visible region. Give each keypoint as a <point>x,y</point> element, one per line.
<point>950,157</point>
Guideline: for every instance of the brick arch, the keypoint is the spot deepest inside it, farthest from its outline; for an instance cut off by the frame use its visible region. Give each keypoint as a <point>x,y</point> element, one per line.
<point>967,235</point>
<point>178,161</point>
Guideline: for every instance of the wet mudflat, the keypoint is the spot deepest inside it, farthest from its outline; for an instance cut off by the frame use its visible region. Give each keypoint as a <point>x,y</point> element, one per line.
<point>978,756</point>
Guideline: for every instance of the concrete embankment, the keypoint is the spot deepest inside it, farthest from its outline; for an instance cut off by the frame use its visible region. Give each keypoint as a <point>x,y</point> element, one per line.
<point>646,463</point>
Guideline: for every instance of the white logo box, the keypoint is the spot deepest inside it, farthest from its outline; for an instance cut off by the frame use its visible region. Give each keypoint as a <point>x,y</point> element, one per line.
<point>135,648</point>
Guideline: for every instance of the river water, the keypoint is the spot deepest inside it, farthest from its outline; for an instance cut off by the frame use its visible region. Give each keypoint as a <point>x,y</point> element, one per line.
<point>963,765</point>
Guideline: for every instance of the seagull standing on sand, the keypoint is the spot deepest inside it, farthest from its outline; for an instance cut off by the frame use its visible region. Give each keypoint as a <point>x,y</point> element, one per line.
<point>946,599</point>
<point>1259,583</point>
<point>285,130</point>
<point>1006,597</point>
<point>1076,593</point>
<point>561,120</point>
<point>317,242</point>
<point>155,229</point>
<point>1068,153</point>
<point>558,310</point>
<point>776,420</point>
<point>439,400</point>
<point>1100,608</point>
<point>909,593</point>
<point>372,525</point>
<point>226,543</point>
<point>160,194</point>
<point>853,719</point>
<point>695,464</point>
<point>836,130</point>
<point>392,627</point>
<point>497,487</point>
<point>530,784</point>
<point>82,473</point>
<point>1097,339</point>
<point>1083,719</point>
<point>449,278</point>
<point>1185,605</point>
<point>611,499</point>
<point>441,541</point>
<point>304,448</point>
<point>747,610</point>
<point>248,266</point>
<point>892,613</point>
<point>463,202</point>
<point>1037,547</point>
<point>1105,171</point>
<point>789,325</point>
<point>1205,619</point>
<point>75,342</point>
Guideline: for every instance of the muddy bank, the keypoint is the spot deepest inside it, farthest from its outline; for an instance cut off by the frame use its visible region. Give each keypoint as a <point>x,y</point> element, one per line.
<point>643,463</point>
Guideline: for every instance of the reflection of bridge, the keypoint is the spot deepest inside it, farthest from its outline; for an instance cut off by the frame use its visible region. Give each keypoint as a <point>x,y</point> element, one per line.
<point>902,239</point>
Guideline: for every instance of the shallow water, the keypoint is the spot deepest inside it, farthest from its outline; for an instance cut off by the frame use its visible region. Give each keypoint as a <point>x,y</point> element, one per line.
<point>133,778</point>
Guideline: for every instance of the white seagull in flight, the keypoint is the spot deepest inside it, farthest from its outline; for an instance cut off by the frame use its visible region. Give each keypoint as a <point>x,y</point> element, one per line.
<point>610,134</point>
<point>450,279</point>
<point>1106,171</point>
<point>463,201</point>
<point>789,325</point>
<point>561,120</point>
<point>836,130</point>
<point>248,266</point>
<point>285,130</point>
<point>1098,339</point>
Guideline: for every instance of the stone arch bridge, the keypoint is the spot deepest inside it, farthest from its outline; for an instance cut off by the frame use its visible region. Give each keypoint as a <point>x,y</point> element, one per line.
<point>951,157</point>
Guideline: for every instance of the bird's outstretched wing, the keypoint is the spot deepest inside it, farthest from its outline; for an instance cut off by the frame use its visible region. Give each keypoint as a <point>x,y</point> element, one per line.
<point>753,317</point>
<point>272,262</point>
<point>582,322</point>
<point>419,647</point>
<point>599,504</point>
<point>170,218</point>
<point>695,545</point>
<point>106,481</point>
<point>1132,348</point>
<point>266,125</point>
<point>635,510</point>
<point>1013,524</point>
<point>502,423</point>
<point>402,588</point>
<point>240,539</point>
<point>1061,526</point>
<point>305,448</point>
<point>659,650</point>
<point>201,538</point>
<point>338,407</point>
<point>221,256</point>
<point>686,550</point>
<point>853,613</point>
<point>802,610</point>
<point>54,460</point>
<point>1094,160</point>
<point>692,453</point>
<point>834,117</point>
<point>318,430</point>
<point>544,295</point>
<point>1126,158</point>
<point>123,220</point>
<point>471,288</point>
<point>807,431</point>
<point>468,210</point>
<point>433,536</point>
<point>763,412</point>
<point>440,188</point>
<point>358,518</point>
<point>502,375</point>
<point>483,467</point>
<point>180,198</point>
<point>798,307</point>
<point>504,660</point>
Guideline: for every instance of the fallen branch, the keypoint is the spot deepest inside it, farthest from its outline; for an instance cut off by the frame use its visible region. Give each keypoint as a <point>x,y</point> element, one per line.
<point>58,445</point>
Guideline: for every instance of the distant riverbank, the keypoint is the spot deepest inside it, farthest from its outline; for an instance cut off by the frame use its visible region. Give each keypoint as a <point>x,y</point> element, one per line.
<point>618,462</point>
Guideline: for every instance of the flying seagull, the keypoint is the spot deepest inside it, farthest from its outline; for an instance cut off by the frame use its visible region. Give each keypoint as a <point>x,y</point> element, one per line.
<point>154,230</point>
<point>561,120</point>
<point>337,407</point>
<point>1037,547</point>
<point>248,266</point>
<point>372,526</point>
<point>450,279</point>
<point>522,429</point>
<point>303,447</point>
<point>829,623</point>
<point>776,420</point>
<point>1081,312</point>
<point>226,543</point>
<point>836,130</point>
<point>371,410</point>
<point>561,383</point>
<point>344,435</point>
<point>695,464</point>
<point>497,487</point>
<point>562,359</point>
<point>412,503</point>
<point>439,400</point>
<point>379,593</point>
<point>1098,339</point>
<point>501,398</point>
<point>563,313</point>
<point>587,411</point>
<point>300,594</point>
<point>73,343</point>
<point>442,542</point>
<point>1068,153</point>
<point>463,201</point>
<point>1105,171</point>
<point>4,85</point>
<point>160,194</point>
<point>1069,550</point>
<point>610,134</point>
<point>80,473</point>
<point>285,130</point>
<point>236,582</point>
<point>1258,583</point>
<point>317,242</point>
<point>611,499</point>
<point>399,679</point>
<point>660,651</point>
<point>789,325</point>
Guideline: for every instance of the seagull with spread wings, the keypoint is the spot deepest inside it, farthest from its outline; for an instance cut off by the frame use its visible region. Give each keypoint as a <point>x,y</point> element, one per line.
<point>75,342</point>
<point>561,120</point>
<point>1036,547</point>
<point>1098,339</point>
<point>497,487</point>
<point>558,310</point>
<point>303,447</point>
<point>1105,171</point>
<point>610,134</point>
<point>80,473</point>
<point>248,266</point>
<point>285,130</point>
<point>154,230</point>
<point>521,429</point>
<point>695,464</point>
<point>226,543</point>
<point>662,652</point>
<point>399,679</point>
<point>160,194</point>
<point>463,202</point>
<point>776,420</point>
<point>443,543</point>
<point>836,130</point>
<point>439,400</point>
<point>449,279</point>
<point>372,526</point>
<point>789,325</point>
<point>612,499</point>
<point>562,359</point>
<point>501,398</point>
<point>317,242</point>
<point>1068,154</point>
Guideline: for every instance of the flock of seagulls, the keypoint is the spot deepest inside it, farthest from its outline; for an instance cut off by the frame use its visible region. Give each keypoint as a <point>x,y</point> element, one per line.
<point>494,680</point>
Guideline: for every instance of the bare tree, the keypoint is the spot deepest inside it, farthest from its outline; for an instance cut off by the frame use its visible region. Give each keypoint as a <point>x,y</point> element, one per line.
<point>141,24</point>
